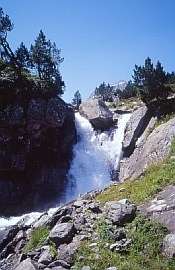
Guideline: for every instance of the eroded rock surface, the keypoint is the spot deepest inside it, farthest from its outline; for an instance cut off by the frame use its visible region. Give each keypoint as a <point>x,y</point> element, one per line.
<point>134,128</point>
<point>97,113</point>
<point>162,208</point>
<point>35,150</point>
<point>150,149</point>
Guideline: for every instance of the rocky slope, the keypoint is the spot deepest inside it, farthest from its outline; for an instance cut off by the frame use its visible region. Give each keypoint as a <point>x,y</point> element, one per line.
<point>145,143</point>
<point>35,150</point>
<point>112,228</point>
<point>68,228</point>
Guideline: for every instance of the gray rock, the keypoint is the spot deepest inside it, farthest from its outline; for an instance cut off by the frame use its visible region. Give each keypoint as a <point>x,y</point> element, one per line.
<point>79,203</point>
<point>120,213</point>
<point>67,252</point>
<point>27,264</point>
<point>58,268</point>
<point>86,268</point>
<point>62,212</point>
<point>95,208</point>
<point>97,113</point>
<point>45,257</point>
<point>7,235</point>
<point>79,222</point>
<point>121,246</point>
<point>169,245</point>
<point>62,233</point>
<point>119,234</point>
<point>134,126</point>
<point>112,268</point>
<point>41,221</point>
<point>59,263</point>
<point>162,208</point>
<point>155,148</point>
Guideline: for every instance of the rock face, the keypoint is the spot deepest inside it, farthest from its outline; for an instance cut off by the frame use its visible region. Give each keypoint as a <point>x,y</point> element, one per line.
<point>35,148</point>
<point>97,113</point>
<point>151,146</point>
<point>162,208</point>
<point>134,128</point>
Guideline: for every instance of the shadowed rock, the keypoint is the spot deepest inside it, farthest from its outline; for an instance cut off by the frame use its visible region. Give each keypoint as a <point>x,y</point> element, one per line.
<point>97,113</point>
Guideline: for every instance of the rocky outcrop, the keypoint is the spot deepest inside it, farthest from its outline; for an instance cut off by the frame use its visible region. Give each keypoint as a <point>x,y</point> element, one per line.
<point>97,113</point>
<point>151,148</point>
<point>35,150</point>
<point>135,128</point>
<point>162,208</point>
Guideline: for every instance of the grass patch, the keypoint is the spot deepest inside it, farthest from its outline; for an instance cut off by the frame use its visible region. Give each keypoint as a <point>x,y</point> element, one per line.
<point>165,118</point>
<point>142,189</point>
<point>144,252</point>
<point>53,249</point>
<point>37,239</point>
<point>129,103</point>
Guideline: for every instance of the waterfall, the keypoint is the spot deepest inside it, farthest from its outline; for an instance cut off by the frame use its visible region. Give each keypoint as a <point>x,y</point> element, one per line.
<point>95,156</point>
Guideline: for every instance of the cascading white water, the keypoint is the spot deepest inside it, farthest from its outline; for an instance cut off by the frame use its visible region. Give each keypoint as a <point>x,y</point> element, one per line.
<point>95,156</point>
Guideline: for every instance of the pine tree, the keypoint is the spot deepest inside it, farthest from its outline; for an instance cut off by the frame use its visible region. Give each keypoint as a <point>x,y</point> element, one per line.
<point>151,81</point>
<point>45,59</point>
<point>76,101</point>
<point>22,56</point>
<point>6,52</point>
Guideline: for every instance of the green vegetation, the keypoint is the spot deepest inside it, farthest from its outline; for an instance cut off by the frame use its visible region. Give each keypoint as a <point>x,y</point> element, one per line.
<point>53,249</point>
<point>128,103</point>
<point>37,239</point>
<point>27,73</point>
<point>109,93</point>
<point>140,190</point>
<point>104,91</point>
<point>151,82</point>
<point>144,252</point>
<point>76,101</point>
<point>165,118</point>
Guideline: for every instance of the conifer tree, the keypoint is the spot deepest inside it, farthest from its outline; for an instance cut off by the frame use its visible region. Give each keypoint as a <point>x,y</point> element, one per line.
<point>76,101</point>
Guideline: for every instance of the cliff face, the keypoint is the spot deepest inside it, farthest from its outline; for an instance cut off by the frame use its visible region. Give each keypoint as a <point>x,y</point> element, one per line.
<point>35,150</point>
<point>145,143</point>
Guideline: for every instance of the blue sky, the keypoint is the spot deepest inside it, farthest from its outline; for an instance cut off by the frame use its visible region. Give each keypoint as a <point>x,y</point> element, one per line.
<point>101,40</point>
